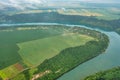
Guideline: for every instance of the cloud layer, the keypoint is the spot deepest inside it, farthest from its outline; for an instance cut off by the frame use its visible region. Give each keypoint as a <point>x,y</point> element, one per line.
<point>21,4</point>
<point>34,4</point>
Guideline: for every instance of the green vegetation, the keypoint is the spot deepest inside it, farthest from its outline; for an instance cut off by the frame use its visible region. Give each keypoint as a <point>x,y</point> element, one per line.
<point>55,17</point>
<point>107,13</point>
<point>99,13</point>
<point>9,39</point>
<point>46,52</point>
<point>36,51</point>
<point>14,69</point>
<point>112,74</point>
<point>62,48</point>
<point>68,58</point>
<point>118,30</point>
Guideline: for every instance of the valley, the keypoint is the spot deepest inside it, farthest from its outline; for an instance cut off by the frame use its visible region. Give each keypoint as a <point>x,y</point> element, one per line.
<point>59,40</point>
<point>31,48</point>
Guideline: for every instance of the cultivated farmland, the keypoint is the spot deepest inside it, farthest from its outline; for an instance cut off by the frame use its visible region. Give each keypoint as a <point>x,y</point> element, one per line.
<point>29,47</point>
<point>36,51</point>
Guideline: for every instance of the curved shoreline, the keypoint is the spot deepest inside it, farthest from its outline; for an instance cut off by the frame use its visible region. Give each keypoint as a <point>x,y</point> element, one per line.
<point>76,66</point>
<point>80,26</point>
<point>26,24</point>
<point>104,61</point>
<point>37,24</point>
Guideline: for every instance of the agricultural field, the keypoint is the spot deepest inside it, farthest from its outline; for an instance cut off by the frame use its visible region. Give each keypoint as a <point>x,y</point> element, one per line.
<point>36,51</point>
<point>108,14</point>
<point>8,45</point>
<point>75,51</point>
<point>29,46</point>
<point>12,70</point>
<point>99,13</point>
<point>10,38</point>
<point>81,12</point>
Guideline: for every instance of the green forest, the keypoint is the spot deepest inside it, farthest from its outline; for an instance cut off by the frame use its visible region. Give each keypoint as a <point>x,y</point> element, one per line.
<point>59,40</point>
<point>68,58</point>
<point>111,74</point>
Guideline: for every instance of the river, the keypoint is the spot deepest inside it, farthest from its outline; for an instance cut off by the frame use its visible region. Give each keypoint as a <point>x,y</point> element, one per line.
<point>109,59</point>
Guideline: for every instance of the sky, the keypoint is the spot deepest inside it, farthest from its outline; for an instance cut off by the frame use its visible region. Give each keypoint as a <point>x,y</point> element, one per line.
<point>38,1</point>
<point>22,4</point>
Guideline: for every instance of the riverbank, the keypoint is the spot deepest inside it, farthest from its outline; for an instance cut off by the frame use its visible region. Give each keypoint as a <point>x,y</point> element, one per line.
<point>100,63</point>
<point>111,74</point>
<point>55,17</point>
<point>71,57</point>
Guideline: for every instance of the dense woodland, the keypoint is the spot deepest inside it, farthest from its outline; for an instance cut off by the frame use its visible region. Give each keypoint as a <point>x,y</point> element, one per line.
<point>54,17</point>
<point>112,74</point>
<point>68,58</point>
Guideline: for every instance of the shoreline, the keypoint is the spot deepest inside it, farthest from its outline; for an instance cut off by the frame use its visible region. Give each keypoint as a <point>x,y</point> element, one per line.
<point>79,63</point>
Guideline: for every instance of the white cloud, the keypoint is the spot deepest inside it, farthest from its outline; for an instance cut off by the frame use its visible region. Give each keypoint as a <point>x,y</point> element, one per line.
<point>34,1</point>
<point>22,4</point>
<point>101,1</point>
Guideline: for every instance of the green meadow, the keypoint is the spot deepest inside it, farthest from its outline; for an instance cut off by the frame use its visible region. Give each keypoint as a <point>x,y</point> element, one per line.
<point>10,37</point>
<point>29,46</point>
<point>25,49</point>
<point>36,51</point>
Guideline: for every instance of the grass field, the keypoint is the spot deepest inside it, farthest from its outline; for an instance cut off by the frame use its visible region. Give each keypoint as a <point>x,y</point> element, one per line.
<point>12,70</point>
<point>36,51</point>
<point>33,45</point>
<point>10,37</point>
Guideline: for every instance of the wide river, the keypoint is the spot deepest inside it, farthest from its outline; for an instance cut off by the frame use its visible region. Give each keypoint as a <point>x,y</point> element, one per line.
<point>107,60</point>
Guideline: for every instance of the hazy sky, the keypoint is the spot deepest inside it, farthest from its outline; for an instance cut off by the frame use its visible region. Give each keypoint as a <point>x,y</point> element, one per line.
<point>35,3</point>
<point>103,1</point>
<point>38,1</point>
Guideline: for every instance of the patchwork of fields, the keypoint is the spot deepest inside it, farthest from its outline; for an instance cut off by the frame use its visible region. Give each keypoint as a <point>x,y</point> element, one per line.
<point>9,40</point>
<point>36,51</point>
<point>104,14</point>
<point>27,47</point>
<point>99,13</point>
